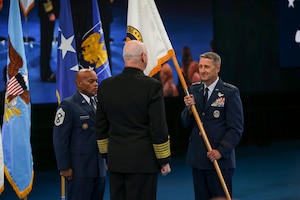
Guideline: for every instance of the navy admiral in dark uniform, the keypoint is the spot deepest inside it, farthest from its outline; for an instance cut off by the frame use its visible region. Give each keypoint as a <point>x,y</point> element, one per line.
<point>223,122</point>
<point>131,128</point>
<point>77,154</point>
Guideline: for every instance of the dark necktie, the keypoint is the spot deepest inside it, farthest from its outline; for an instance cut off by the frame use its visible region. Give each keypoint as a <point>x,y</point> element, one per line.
<point>205,96</point>
<point>93,103</point>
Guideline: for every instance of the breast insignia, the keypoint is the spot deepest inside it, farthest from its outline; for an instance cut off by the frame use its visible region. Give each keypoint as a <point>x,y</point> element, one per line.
<point>85,126</point>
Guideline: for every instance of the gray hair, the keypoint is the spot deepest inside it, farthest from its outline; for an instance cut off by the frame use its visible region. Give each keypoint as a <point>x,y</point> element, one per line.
<point>213,56</point>
<point>133,49</point>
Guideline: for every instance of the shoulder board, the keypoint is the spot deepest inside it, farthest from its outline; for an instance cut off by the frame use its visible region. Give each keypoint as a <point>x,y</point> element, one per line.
<point>229,85</point>
<point>196,83</point>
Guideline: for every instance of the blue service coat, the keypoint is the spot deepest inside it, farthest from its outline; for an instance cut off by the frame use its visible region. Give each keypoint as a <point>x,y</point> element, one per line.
<point>223,122</point>
<point>74,138</point>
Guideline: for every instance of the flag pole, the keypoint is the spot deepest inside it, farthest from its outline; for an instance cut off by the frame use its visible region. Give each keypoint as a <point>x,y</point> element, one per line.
<point>62,181</point>
<point>27,39</point>
<point>201,128</point>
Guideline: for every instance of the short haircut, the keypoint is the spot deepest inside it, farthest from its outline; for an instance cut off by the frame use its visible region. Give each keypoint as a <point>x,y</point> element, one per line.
<point>213,56</point>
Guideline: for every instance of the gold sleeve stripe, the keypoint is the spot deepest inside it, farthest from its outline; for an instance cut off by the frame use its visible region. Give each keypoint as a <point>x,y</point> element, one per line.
<point>162,150</point>
<point>102,145</point>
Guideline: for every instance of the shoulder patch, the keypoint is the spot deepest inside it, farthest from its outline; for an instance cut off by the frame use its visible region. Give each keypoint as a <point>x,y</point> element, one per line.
<point>229,85</point>
<point>59,117</point>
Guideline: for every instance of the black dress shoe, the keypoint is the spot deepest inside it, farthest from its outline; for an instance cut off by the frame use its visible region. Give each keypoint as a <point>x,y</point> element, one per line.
<point>51,79</point>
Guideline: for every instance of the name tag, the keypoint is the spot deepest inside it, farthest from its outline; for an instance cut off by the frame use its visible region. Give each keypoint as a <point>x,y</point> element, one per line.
<point>83,117</point>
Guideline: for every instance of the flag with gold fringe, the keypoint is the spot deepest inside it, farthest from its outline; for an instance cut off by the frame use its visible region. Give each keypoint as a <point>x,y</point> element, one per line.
<point>1,166</point>
<point>144,24</point>
<point>17,153</point>
<point>67,63</point>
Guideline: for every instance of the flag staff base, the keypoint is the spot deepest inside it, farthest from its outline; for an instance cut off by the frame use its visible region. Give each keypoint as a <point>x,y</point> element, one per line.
<point>29,41</point>
<point>2,40</point>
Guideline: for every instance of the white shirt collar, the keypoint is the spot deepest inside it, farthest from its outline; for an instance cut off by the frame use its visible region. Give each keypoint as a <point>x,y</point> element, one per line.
<point>85,97</point>
<point>211,87</point>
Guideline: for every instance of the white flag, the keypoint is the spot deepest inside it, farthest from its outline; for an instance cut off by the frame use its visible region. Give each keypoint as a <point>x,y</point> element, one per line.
<point>26,6</point>
<point>144,24</point>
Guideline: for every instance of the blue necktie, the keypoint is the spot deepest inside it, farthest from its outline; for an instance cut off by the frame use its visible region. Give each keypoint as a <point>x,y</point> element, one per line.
<point>205,96</point>
<point>93,103</point>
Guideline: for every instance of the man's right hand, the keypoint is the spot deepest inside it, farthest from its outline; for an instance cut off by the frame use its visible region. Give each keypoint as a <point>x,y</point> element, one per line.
<point>165,169</point>
<point>67,173</point>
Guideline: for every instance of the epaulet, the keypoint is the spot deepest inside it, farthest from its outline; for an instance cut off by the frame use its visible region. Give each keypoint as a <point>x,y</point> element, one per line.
<point>229,85</point>
<point>196,83</point>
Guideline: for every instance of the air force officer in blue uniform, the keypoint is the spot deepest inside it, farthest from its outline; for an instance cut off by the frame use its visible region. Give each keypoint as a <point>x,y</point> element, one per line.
<point>223,122</point>
<point>77,155</point>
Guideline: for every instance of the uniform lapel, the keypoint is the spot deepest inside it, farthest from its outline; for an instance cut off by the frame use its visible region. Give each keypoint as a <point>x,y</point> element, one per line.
<point>211,99</point>
<point>202,96</point>
<point>213,96</point>
<point>85,105</point>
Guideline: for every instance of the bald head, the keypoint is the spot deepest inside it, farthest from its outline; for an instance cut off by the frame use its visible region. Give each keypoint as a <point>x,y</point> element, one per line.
<point>135,54</point>
<point>82,73</point>
<point>87,82</point>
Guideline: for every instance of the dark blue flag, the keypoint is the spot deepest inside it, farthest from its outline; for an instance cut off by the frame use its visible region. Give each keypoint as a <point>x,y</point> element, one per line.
<point>67,64</point>
<point>93,46</point>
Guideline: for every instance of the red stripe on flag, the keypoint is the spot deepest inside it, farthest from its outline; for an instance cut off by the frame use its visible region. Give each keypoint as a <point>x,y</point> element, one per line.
<point>13,87</point>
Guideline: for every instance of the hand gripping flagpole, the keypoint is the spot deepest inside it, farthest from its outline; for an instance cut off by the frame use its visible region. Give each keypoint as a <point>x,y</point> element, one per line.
<point>201,128</point>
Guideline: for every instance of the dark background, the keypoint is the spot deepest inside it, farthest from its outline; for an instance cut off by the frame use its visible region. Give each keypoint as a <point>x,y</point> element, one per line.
<point>247,36</point>
<point>289,25</point>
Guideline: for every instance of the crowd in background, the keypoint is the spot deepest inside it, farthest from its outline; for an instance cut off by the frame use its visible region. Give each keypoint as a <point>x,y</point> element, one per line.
<point>190,72</point>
